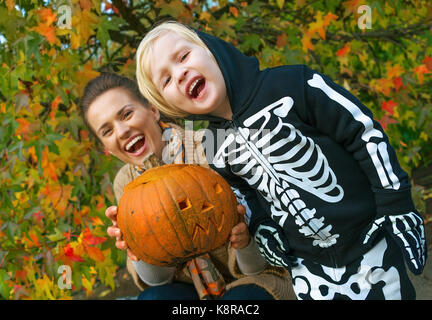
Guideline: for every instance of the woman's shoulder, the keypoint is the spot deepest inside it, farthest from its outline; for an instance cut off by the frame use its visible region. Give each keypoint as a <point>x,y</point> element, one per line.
<point>126,174</point>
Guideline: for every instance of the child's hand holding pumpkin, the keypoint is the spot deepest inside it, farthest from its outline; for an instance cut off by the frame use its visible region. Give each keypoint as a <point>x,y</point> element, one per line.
<point>240,236</point>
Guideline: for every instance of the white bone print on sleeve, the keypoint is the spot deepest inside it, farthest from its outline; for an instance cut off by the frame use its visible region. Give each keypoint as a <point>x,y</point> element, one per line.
<point>383,167</point>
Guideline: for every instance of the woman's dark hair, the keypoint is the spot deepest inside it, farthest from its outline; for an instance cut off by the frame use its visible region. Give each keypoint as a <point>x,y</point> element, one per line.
<point>100,85</point>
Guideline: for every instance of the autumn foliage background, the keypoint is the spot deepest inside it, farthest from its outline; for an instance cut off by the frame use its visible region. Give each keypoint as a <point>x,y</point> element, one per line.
<point>55,183</point>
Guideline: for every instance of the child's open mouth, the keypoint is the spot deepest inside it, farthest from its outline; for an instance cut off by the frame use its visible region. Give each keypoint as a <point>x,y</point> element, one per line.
<point>136,145</point>
<point>196,87</point>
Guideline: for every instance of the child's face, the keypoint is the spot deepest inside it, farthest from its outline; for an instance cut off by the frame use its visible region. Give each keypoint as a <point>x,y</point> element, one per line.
<point>187,77</point>
<point>127,129</point>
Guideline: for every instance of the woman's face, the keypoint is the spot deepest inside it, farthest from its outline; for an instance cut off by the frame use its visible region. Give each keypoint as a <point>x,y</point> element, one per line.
<point>127,129</point>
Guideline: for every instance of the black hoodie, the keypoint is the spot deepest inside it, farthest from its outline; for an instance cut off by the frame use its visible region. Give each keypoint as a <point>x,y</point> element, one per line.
<point>305,152</point>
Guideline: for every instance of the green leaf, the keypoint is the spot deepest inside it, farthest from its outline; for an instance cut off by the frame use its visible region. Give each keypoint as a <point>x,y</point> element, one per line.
<point>4,288</point>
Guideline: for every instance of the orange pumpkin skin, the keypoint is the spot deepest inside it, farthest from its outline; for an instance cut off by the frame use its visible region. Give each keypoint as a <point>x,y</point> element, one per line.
<point>175,212</point>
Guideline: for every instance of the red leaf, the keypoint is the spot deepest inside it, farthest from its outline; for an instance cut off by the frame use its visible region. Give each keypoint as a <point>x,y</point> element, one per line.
<point>428,62</point>
<point>397,82</point>
<point>91,239</point>
<point>386,120</point>
<point>389,106</point>
<point>69,252</point>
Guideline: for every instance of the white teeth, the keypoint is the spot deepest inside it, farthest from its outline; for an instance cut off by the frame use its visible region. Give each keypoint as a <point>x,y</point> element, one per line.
<point>193,86</point>
<point>130,144</point>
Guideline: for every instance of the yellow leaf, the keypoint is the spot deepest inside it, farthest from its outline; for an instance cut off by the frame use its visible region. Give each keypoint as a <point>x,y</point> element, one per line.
<point>280,3</point>
<point>84,22</point>
<point>88,285</point>
<point>424,136</point>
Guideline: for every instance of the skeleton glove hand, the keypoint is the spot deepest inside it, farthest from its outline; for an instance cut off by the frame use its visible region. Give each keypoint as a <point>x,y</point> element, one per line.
<point>409,233</point>
<point>273,245</point>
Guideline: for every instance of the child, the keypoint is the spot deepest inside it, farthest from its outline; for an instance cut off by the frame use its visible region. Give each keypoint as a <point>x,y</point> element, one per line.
<point>304,152</point>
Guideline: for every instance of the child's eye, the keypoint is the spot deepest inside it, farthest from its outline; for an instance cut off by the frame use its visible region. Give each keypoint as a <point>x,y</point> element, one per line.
<point>183,57</point>
<point>167,80</point>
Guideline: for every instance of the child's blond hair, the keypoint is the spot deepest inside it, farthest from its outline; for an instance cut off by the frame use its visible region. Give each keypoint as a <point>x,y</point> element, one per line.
<point>143,74</point>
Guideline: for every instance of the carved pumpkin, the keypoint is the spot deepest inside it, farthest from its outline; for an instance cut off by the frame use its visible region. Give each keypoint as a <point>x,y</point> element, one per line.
<point>175,212</point>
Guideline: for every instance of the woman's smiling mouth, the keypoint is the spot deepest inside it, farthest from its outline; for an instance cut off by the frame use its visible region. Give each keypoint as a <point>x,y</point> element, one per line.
<point>136,145</point>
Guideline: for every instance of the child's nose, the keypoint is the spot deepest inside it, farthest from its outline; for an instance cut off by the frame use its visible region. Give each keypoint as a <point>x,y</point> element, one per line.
<point>182,75</point>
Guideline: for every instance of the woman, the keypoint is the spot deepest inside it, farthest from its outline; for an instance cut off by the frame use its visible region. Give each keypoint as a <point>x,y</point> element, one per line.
<point>130,129</point>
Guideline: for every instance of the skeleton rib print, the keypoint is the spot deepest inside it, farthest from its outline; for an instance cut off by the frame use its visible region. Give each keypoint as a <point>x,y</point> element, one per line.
<point>271,167</point>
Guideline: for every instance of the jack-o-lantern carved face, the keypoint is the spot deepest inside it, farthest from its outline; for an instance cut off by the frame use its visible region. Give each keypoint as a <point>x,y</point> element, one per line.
<point>175,212</point>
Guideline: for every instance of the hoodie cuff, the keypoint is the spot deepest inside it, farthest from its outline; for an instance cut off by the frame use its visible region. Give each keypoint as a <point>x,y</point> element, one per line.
<point>394,202</point>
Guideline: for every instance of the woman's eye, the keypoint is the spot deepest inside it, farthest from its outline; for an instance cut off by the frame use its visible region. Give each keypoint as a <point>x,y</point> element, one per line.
<point>167,80</point>
<point>106,132</point>
<point>184,57</point>
<point>127,114</point>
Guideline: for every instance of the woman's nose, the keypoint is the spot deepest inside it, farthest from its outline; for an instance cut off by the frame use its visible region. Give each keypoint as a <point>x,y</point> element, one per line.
<point>123,130</point>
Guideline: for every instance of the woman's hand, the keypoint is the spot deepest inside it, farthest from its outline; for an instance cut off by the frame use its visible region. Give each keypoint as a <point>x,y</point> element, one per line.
<point>240,236</point>
<point>114,232</point>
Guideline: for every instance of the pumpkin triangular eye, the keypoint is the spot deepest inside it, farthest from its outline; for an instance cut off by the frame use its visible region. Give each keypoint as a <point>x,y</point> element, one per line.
<point>206,206</point>
<point>184,204</point>
<point>218,188</point>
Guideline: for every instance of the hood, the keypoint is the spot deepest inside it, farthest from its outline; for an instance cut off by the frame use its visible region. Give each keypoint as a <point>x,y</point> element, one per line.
<point>241,74</point>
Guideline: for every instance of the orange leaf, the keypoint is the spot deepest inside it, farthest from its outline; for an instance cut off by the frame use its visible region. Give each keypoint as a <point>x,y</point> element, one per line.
<point>329,17</point>
<point>344,51</point>
<point>85,4</point>
<point>48,167</point>
<point>234,11</point>
<point>48,32</point>
<point>351,6</point>
<point>87,73</point>
<point>10,4</point>
<point>94,253</point>
<point>420,71</point>
<point>383,85</point>
<point>23,127</point>
<point>282,40</point>
<point>306,42</point>
<point>47,15</point>
<point>395,71</point>
<point>109,6</point>
<point>54,106</point>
